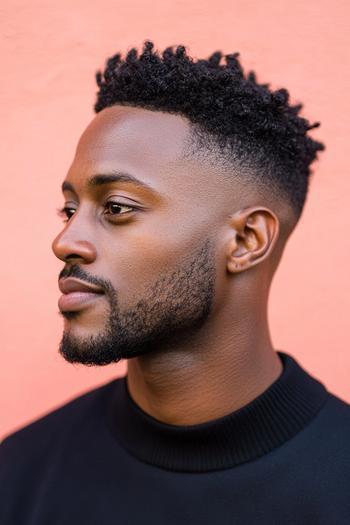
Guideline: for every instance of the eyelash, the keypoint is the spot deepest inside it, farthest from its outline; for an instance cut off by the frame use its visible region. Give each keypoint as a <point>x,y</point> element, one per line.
<point>62,212</point>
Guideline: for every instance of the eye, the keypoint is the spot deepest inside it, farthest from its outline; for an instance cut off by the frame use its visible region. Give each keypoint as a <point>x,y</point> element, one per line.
<point>63,212</point>
<point>66,211</point>
<point>116,206</point>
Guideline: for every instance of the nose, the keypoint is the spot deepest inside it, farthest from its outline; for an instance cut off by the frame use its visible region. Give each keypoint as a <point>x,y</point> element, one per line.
<point>72,243</point>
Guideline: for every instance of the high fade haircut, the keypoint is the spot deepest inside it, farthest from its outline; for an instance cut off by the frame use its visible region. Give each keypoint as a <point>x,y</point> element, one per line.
<point>243,122</point>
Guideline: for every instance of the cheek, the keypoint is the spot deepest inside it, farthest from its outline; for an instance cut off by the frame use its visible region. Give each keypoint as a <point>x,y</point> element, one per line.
<point>137,254</point>
<point>138,262</point>
<point>150,255</point>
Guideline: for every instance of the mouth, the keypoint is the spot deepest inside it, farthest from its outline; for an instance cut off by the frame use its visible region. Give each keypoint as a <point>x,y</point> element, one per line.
<point>77,294</point>
<point>74,301</point>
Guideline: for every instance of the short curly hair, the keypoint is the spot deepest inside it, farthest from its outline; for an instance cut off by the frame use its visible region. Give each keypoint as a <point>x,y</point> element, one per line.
<point>252,126</point>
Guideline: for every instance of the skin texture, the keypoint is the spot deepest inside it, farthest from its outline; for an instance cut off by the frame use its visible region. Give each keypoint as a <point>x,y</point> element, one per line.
<point>186,275</point>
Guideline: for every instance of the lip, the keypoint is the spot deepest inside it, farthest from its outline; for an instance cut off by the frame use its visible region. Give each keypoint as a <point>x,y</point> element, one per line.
<point>76,300</point>
<point>69,285</point>
<point>77,294</point>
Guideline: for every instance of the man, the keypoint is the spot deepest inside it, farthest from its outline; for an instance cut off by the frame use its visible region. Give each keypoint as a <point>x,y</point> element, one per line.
<point>182,194</point>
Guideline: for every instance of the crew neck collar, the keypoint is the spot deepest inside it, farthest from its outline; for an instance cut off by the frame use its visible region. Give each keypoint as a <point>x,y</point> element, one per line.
<point>266,422</point>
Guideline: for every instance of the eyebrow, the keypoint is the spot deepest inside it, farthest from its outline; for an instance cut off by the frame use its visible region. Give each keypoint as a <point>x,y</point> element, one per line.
<point>100,180</point>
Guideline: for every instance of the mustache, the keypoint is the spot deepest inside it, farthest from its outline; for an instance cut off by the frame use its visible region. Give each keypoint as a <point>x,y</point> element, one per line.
<point>76,271</point>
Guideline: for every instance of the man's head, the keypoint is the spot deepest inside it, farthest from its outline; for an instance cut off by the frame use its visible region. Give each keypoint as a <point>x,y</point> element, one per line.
<point>222,165</point>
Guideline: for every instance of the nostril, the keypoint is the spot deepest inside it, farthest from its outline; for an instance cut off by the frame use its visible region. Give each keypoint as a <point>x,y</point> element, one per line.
<point>73,255</point>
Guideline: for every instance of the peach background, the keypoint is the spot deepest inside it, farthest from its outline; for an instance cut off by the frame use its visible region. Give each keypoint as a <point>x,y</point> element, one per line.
<point>50,52</point>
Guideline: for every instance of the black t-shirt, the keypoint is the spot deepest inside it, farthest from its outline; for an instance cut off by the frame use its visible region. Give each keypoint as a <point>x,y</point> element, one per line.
<point>282,459</point>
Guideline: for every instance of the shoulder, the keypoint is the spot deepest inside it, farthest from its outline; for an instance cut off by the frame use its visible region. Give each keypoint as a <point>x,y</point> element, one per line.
<point>52,426</point>
<point>322,449</point>
<point>337,409</point>
<point>335,419</point>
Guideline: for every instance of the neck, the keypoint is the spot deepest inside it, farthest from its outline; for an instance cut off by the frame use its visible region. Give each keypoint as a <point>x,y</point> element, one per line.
<point>223,367</point>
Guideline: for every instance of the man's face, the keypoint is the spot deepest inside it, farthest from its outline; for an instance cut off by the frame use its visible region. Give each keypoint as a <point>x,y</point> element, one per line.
<point>152,253</point>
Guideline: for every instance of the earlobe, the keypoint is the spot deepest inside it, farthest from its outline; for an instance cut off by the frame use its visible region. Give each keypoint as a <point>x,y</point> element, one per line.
<point>254,234</point>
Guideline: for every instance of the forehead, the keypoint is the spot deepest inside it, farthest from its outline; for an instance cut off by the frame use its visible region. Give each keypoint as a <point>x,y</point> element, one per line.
<point>149,145</point>
<point>134,139</point>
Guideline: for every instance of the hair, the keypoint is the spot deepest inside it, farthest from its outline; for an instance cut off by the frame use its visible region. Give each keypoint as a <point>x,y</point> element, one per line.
<point>247,123</point>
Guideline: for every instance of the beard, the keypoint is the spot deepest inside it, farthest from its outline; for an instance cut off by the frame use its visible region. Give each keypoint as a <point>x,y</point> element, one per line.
<point>173,309</point>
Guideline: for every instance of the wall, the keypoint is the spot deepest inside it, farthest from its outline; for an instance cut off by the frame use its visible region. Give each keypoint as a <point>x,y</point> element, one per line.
<point>49,57</point>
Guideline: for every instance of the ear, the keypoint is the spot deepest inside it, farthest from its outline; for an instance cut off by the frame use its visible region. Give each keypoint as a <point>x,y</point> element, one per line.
<point>254,232</point>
